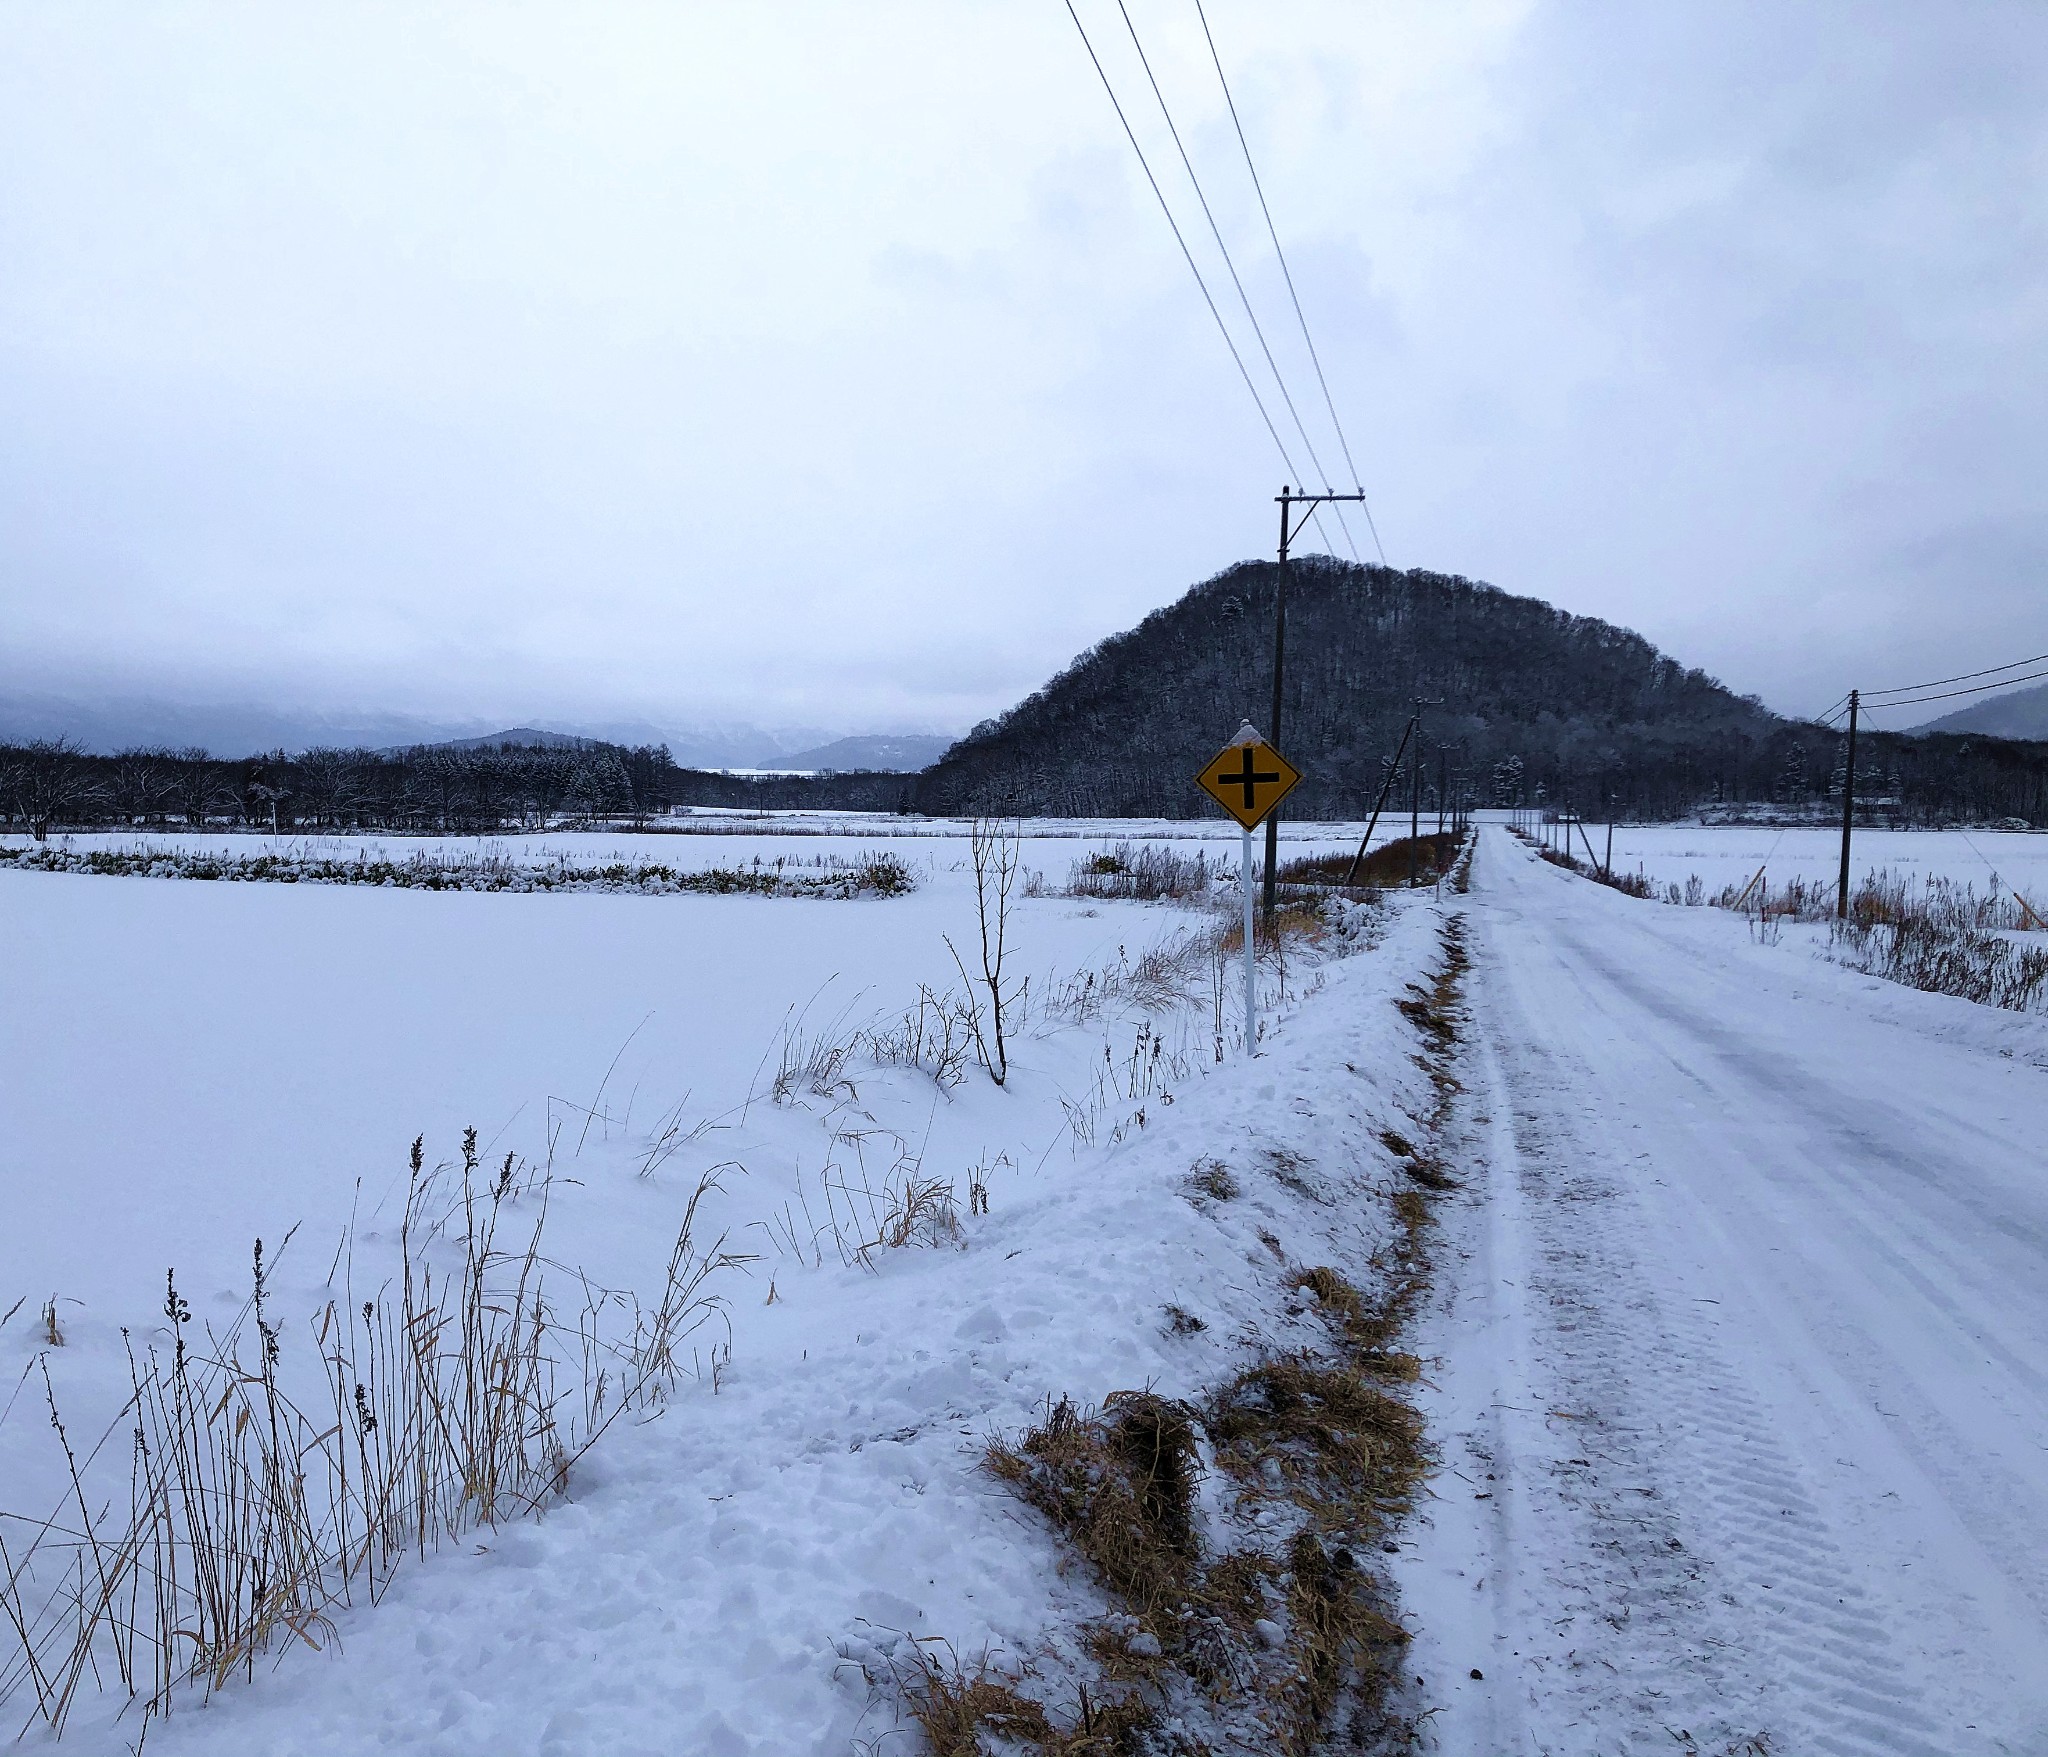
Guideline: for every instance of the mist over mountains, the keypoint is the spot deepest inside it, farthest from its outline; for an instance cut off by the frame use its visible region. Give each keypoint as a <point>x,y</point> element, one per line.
<point>105,724</point>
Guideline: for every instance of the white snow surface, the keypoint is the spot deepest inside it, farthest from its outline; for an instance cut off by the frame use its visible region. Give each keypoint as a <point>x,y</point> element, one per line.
<point>1738,1349</point>
<point>1735,1345</point>
<point>1728,854</point>
<point>188,1066</point>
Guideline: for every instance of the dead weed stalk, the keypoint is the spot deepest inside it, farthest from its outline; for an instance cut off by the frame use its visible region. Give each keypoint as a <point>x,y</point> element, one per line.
<point>269,1482</point>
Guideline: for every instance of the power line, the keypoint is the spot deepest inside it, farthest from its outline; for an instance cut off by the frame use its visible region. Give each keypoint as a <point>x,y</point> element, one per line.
<point>1243,298</point>
<point>1975,689</point>
<point>1963,677</point>
<point>1287,274</point>
<point>1144,165</point>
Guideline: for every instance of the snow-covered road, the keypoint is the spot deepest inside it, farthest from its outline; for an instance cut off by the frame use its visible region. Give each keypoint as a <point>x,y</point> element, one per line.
<point>1741,1350</point>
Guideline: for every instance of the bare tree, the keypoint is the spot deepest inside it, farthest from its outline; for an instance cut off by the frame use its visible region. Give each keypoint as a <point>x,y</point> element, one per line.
<point>140,784</point>
<point>200,786</point>
<point>996,847</point>
<point>327,784</point>
<point>48,779</point>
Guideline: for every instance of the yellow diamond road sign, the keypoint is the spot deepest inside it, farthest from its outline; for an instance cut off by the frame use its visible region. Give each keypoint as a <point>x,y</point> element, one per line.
<point>1248,777</point>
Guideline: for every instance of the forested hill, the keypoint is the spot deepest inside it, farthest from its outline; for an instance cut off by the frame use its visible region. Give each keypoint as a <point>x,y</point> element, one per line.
<point>1529,702</point>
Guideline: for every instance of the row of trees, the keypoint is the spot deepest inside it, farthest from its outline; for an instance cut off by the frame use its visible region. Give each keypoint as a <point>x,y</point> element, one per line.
<point>1796,767</point>
<point>51,782</point>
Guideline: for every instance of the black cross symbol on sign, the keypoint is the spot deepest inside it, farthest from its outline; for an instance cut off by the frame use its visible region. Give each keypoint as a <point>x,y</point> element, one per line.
<point>1249,778</point>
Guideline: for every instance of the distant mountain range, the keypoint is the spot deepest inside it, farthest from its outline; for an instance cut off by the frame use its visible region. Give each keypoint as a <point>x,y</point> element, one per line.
<point>899,754</point>
<point>106,724</point>
<point>2022,714</point>
<point>903,754</point>
<point>522,737</point>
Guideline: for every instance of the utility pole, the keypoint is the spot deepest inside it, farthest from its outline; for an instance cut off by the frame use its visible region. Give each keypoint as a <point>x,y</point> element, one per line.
<point>1290,528</point>
<point>1443,770</point>
<point>1415,784</point>
<point>1414,812</point>
<point>1386,786</point>
<point>1848,809</point>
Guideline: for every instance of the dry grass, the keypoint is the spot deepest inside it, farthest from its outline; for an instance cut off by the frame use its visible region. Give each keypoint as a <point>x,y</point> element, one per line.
<point>867,1203</point>
<point>1384,868</point>
<point>1934,934</point>
<point>822,876</point>
<point>1927,954</point>
<point>1150,872</point>
<point>1118,1483</point>
<point>1287,1641</point>
<point>1630,884</point>
<point>269,1481</point>
<point>955,1706</point>
<point>1330,1421</point>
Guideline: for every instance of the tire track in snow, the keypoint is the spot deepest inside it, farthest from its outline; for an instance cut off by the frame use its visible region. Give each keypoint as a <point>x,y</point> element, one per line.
<point>1663,1557</point>
<point>1720,1599</point>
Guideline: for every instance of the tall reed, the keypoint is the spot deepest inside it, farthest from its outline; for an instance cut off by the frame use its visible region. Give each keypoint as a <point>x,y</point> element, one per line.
<point>270,1483</point>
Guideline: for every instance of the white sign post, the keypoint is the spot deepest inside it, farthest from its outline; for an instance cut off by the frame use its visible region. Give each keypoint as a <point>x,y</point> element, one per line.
<point>1248,777</point>
<point>1251,992</point>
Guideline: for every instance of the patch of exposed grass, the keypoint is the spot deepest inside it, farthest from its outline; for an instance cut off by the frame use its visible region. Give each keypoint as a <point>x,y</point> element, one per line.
<point>1278,1635</point>
<point>1385,868</point>
<point>1422,1167</point>
<point>1146,872</point>
<point>1119,1485</point>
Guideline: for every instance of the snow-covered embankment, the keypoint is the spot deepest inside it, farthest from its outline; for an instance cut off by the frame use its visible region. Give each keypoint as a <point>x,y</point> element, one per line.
<point>739,1575</point>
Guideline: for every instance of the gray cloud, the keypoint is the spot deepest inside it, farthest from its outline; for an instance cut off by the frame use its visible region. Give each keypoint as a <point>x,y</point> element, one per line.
<point>829,365</point>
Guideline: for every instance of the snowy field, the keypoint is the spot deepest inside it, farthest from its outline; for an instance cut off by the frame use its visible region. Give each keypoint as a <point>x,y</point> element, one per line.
<point>1722,855</point>
<point>188,1067</point>
<point>1729,1361</point>
<point>703,839</point>
<point>192,1063</point>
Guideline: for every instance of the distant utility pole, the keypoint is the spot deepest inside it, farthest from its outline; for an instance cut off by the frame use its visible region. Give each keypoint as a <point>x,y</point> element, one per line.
<point>1848,809</point>
<point>1290,528</point>
<point>1415,785</point>
<point>1387,781</point>
<point>1414,811</point>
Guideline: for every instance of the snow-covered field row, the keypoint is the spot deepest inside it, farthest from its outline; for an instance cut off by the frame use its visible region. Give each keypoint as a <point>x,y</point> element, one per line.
<point>926,846</point>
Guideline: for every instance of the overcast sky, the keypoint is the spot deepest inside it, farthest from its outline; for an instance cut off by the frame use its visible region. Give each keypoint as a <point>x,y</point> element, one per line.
<point>831,364</point>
